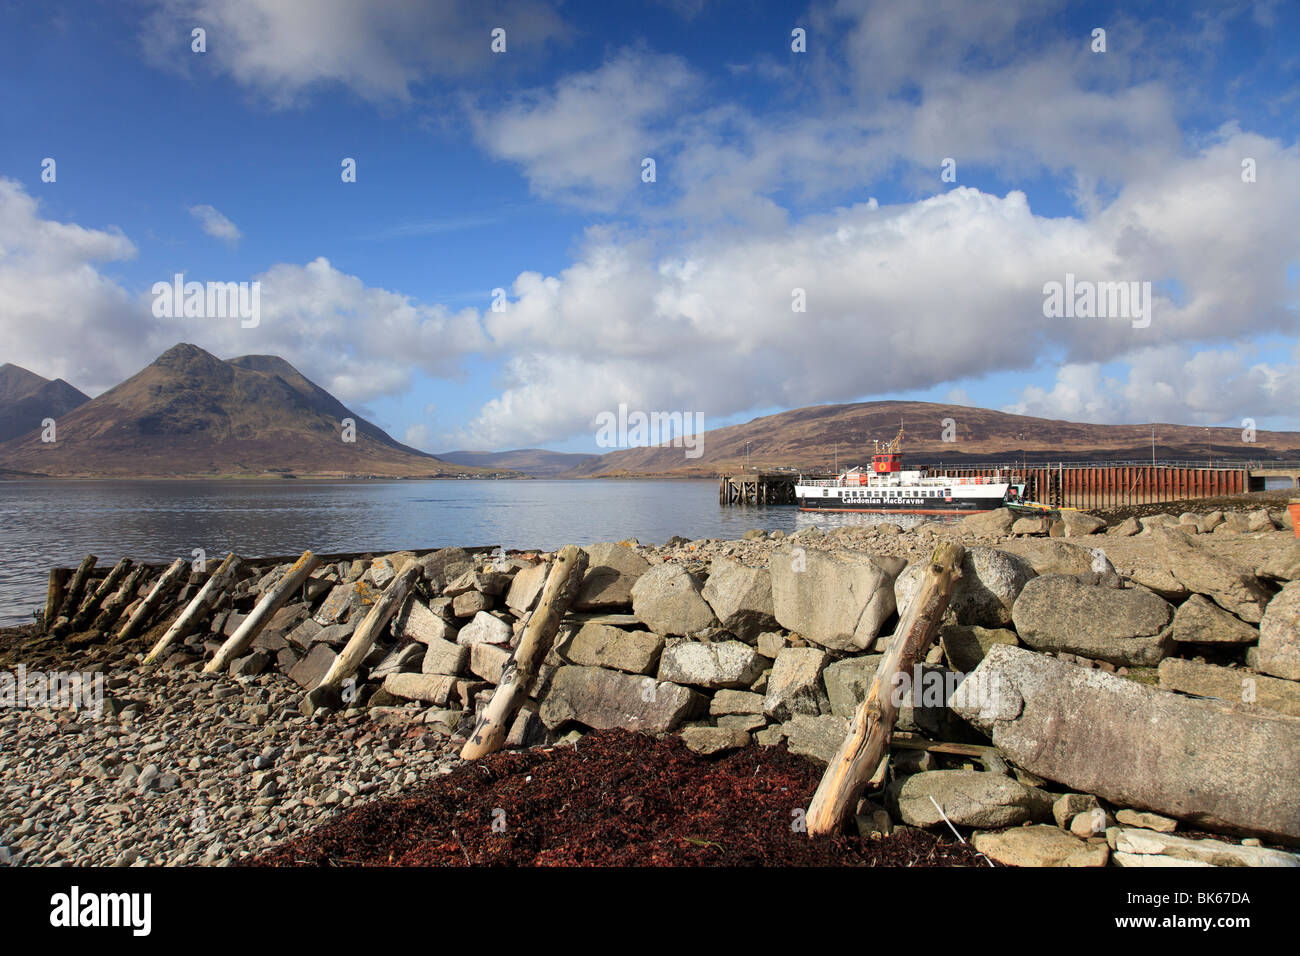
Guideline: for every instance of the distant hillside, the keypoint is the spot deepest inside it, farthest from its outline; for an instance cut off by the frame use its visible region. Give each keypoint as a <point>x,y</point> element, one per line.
<point>806,439</point>
<point>27,399</point>
<point>192,414</point>
<point>537,462</point>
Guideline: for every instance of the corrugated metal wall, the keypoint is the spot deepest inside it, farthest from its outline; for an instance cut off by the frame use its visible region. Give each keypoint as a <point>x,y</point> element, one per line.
<point>1110,486</point>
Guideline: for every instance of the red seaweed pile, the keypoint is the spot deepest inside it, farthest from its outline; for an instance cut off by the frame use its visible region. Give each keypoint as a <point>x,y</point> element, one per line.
<point>615,799</point>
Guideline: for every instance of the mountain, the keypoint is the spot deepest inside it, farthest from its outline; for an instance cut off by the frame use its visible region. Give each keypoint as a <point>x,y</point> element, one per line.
<point>27,399</point>
<point>806,439</point>
<point>537,462</point>
<point>192,414</point>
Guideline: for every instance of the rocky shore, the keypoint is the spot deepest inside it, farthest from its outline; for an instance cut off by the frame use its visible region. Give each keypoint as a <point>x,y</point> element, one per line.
<point>1099,694</point>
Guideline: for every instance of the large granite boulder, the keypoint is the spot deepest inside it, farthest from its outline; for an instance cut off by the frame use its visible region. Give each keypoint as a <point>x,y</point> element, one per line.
<point>1279,634</point>
<point>1127,626</point>
<point>612,569</point>
<point>1039,845</point>
<point>438,566</point>
<point>1231,684</point>
<point>667,600</point>
<point>601,645</point>
<point>1230,585</point>
<point>1052,555</point>
<point>1200,621</point>
<point>741,597</point>
<point>1131,841</point>
<point>417,623</point>
<point>1080,523</point>
<point>484,629</point>
<point>1282,565</point>
<point>969,798</point>
<point>601,699</point>
<point>720,664</point>
<point>990,523</point>
<point>527,586</point>
<point>444,657</point>
<point>816,738</point>
<point>839,600</point>
<point>847,682</point>
<point>795,684</point>
<point>990,582</point>
<point>1201,761</point>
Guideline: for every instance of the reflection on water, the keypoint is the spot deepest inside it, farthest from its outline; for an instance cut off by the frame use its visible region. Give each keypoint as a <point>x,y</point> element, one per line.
<point>43,524</point>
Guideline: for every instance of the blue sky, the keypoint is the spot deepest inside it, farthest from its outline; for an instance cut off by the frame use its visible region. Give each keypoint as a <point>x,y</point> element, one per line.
<point>775,170</point>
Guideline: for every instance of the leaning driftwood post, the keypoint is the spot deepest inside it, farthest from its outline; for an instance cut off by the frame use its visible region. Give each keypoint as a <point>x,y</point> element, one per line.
<point>562,586</point>
<point>354,652</point>
<point>114,606</point>
<point>867,741</point>
<point>112,580</point>
<point>141,614</point>
<point>206,597</point>
<point>54,595</point>
<point>108,586</point>
<point>262,614</point>
<point>71,600</point>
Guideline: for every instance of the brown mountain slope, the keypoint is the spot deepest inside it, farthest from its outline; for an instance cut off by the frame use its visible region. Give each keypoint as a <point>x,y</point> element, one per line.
<point>27,399</point>
<point>537,462</point>
<point>806,438</point>
<point>192,414</point>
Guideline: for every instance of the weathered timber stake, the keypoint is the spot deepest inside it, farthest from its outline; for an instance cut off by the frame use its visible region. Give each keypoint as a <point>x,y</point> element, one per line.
<point>867,741</point>
<point>140,617</point>
<point>54,595</point>
<point>71,600</point>
<point>562,586</point>
<point>354,652</point>
<point>197,608</point>
<point>114,606</point>
<point>261,615</point>
<point>91,606</point>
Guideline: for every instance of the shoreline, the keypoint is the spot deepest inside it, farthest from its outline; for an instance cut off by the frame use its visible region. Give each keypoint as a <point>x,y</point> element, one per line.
<point>743,654</point>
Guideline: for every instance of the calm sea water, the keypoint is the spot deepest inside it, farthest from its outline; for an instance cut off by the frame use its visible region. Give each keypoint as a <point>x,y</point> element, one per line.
<point>47,524</point>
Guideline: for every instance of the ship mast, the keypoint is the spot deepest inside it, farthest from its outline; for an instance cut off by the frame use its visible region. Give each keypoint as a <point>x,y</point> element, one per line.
<point>887,457</point>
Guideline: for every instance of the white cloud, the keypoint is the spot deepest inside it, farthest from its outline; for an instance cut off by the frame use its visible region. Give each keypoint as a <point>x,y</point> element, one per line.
<point>356,341</point>
<point>584,140</point>
<point>920,82</point>
<point>215,224</point>
<point>380,50</point>
<point>902,298</point>
<point>1176,384</point>
<point>52,293</point>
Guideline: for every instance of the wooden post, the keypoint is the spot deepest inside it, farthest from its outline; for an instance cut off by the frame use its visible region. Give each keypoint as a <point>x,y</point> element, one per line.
<point>141,614</point>
<point>91,606</point>
<point>106,587</point>
<point>113,607</point>
<point>562,585</point>
<point>206,597</point>
<point>869,731</point>
<point>262,614</point>
<point>71,601</point>
<point>355,651</point>
<point>54,595</point>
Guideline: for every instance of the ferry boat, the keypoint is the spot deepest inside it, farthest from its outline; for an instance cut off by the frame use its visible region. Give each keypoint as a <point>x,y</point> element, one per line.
<point>888,488</point>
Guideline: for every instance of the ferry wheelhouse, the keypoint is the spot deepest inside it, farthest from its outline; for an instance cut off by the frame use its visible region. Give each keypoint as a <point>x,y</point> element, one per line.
<point>887,487</point>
